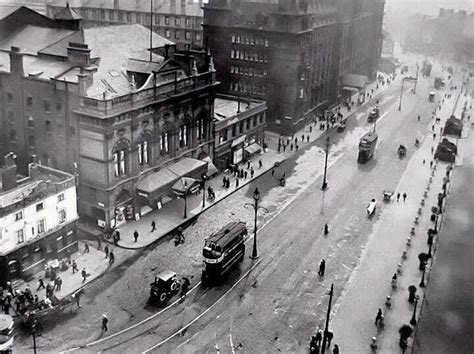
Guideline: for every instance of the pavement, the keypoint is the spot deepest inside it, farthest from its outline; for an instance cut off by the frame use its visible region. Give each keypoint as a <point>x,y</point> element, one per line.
<point>367,291</point>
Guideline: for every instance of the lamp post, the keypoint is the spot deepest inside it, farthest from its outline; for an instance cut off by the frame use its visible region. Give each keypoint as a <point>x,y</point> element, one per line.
<point>325,183</point>
<point>401,95</point>
<point>413,317</point>
<point>326,329</point>
<point>33,333</point>
<point>422,282</point>
<point>185,200</point>
<point>436,223</point>
<point>416,80</point>
<point>255,206</point>
<point>204,178</point>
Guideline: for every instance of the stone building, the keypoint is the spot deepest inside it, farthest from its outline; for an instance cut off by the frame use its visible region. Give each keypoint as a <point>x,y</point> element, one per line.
<point>177,20</point>
<point>38,214</point>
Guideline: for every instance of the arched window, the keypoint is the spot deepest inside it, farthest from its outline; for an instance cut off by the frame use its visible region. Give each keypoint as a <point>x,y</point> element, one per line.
<point>120,153</point>
<point>143,147</point>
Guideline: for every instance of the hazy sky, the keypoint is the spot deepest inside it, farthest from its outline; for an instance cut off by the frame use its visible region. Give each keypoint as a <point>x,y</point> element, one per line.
<point>429,7</point>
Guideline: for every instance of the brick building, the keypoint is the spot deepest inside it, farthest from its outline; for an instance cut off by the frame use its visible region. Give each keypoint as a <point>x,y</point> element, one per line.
<point>293,54</point>
<point>177,20</point>
<point>38,214</point>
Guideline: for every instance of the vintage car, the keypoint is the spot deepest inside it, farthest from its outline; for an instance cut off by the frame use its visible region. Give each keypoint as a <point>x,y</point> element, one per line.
<point>164,287</point>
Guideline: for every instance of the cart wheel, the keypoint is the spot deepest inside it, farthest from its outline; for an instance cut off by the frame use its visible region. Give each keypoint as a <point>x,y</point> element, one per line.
<point>174,286</point>
<point>163,297</point>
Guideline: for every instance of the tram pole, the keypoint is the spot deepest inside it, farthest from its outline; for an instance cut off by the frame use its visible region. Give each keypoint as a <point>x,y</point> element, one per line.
<point>326,329</point>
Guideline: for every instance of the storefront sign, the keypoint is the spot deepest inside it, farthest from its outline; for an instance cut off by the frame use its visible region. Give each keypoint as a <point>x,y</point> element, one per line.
<point>237,156</point>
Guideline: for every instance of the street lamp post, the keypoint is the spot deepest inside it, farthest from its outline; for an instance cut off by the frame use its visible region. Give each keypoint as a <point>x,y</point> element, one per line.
<point>185,206</point>
<point>255,206</point>
<point>416,80</point>
<point>204,178</point>
<point>422,282</point>
<point>33,333</point>
<point>413,317</point>
<point>326,329</point>
<point>325,183</point>
<point>401,95</point>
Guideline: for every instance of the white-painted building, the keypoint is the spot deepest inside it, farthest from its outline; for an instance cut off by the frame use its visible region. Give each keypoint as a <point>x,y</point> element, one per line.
<point>37,219</point>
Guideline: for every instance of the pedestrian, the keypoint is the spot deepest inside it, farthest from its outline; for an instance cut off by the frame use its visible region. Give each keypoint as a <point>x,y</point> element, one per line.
<point>84,275</point>
<point>326,229</point>
<point>36,299</point>
<point>40,284</point>
<point>105,321</point>
<point>242,173</point>
<point>287,141</point>
<point>432,149</point>
<point>432,127</point>
<point>106,250</point>
<point>228,183</point>
<point>6,307</point>
<point>74,267</point>
<point>273,172</point>
<point>322,268</point>
<point>291,147</point>
<point>245,174</point>
<point>86,247</point>
<point>153,226</point>
<point>398,197</point>
<point>431,164</point>
<point>251,172</point>
<point>329,337</point>
<point>441,131</point>
<point>404,196</point>
<point>319,337</point>
<point>302,138</point>
<point>379,316</point>
<point>223,181</point>
<point>335,350</point>
<point>236,183</point>
<point>307,138</point>
<point>248,164</point>
<point>111,257</point>
<point>135,235</point>
<point>260,163</point>
<point>434,136</point>
<point>284,148</point>
<point>424,161</point>
<point>56,283</point>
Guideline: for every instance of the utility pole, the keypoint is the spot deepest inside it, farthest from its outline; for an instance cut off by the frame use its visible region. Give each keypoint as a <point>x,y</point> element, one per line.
<point>326,329</point>
<point>325,183</point>
<point>416,80</point>
<point>401,95</point>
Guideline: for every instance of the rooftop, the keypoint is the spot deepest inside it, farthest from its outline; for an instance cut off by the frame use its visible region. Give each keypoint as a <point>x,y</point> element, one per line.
<point>225,108</point>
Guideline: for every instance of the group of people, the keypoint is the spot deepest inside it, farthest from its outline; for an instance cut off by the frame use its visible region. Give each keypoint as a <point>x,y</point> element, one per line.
<point>317,342</point>
<point>21,299</point>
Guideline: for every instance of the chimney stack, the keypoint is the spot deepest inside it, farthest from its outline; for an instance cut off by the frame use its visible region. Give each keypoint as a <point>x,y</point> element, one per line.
<point>173,6</point>
<point>33,168</point>
<point>79,53</point>
<point>9,172</point>
<point>183,7</point>
<point>16,61</point>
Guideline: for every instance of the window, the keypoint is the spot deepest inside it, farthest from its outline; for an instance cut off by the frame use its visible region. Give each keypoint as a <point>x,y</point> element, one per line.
<point>40,227</point>
<point>12,135</point>
<point>59,107</point>
<point>176,35</point>
<point>39,206</point>
<point>129,17</point>
<point>120,16</point>
<point>47,125</point>
<point>60,197</point>
<point>167,34</point>
<point>255,121</point>
<point>262,116</point>
<point>167,20</point>
<point>9,97</point>
<point>301,93</point>
<point>248,124</point>
<point>234,130</point>
<point>223,136</point>
<point>147,19</point>
<point>31,123</point>
<point>102,14</point>
<point>11,117</point>
<point>138,18</point>
<point>177,21</point>
<point>198,37</point>
<point>119,163</point>
<point>164,144</point>
<point>29,102</point>
<point>187,22</point>
<point>143,153</point>
<point>200,129</point>
<point>31,141</point>
<point>183,138</point>
<point>20,236</point>
<point>72,130</point>
<point>187,35</point>
<point>62,216</point>
<point>111,16</point>
<point>157,20</point>
<point>19,216</point>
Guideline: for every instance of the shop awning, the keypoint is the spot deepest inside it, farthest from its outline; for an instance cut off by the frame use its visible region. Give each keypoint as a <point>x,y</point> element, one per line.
<point>211,168</point>
<point>253,148</point>
<point>354,82</point>
<point>238,140</point>
<point>161,181</point>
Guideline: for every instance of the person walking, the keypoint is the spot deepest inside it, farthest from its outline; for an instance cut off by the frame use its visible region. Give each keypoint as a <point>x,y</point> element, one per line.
<point>273,172</point>
<point>105,321</point>
<point>307,138</point>
<point>84,275</point>
<point>251,172</point>
<point>297,147</point>
<point>335,350</point>
<point>74,267</point>
<point>398,197</point>
<point>404,196</point>
<point>326,229</point>
<point>322,268</point>
<point>248,164</point>
<point>77,297</point>
<point>260,163</point>
<point>153,226</point>
<point>106,250</point>
<point>86,248</point>
<point>245,174</point>
<point>236,183</point>
<point>319,337</point>
<point>184,288</point>
<point>135,236</point>
<point>379,316</point>
<point>111,257</point>
<point>329,337</point>
<point>40,284</point>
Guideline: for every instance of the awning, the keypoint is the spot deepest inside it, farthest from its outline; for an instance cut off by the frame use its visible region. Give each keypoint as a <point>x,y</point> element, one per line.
<point>253,149</point>
<point>354,81</point>
<point>161,181</point>
<point>184,185</point>
<point>238,140</point>
<point>348,88</point>
<point>211,168</point>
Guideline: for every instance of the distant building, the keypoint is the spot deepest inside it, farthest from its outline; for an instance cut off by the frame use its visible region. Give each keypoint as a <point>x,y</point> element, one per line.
<point>37,218</point>
<point>293,54</point>
<point>97,101</point>
<point>239,130</point>
<point>177,20</point>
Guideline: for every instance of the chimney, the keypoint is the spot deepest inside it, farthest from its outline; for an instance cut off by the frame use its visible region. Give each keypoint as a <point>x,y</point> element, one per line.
<point>183,7</point>
<point>173,6</point>
<point>79,53</point>
<point>9,172</point>
<point>33,168</point>
<point>16,62</point>
<point>82,79</point>
<point>116,4</point>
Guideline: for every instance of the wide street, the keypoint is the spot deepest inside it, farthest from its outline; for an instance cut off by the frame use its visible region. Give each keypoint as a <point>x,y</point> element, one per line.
<point>282,300</point>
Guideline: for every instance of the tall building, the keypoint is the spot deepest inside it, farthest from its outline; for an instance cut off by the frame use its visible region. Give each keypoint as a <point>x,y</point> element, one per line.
<point>177,20</point>
<point>294,54</point>
<point>38,214</point>
<point>96,101</point>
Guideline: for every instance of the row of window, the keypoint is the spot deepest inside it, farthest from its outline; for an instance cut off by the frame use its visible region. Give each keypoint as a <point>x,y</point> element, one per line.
<point>243,126</point>
<point>248,87</point>
<point>40,206</point>
<point>143,18</point>
<point>187,35</point>
<point>248,71</point>
<point>29,103</point>
<point>250,40</point>
<point>40,227</point>
<point>48,129</point>
<point>251,56</point>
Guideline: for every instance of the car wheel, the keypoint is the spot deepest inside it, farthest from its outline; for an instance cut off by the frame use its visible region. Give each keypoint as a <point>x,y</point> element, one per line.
<point>163,297</point>
<point>174,286</point>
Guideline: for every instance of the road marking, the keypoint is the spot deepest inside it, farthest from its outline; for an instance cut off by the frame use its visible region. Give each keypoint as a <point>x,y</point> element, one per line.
<point>202,314</point>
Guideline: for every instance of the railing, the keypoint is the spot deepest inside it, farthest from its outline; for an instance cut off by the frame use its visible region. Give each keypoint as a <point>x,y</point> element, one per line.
<point>137,99</point>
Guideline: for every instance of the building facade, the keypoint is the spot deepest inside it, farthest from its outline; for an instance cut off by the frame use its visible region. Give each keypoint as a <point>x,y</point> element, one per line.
<point>37,219</point>
<point>239,130</point>
<point>177,20</point>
